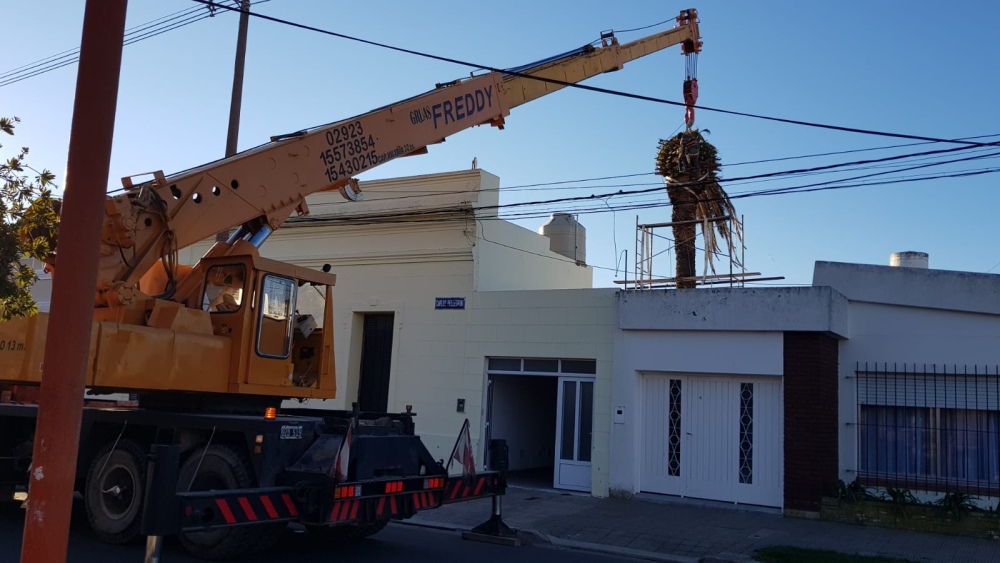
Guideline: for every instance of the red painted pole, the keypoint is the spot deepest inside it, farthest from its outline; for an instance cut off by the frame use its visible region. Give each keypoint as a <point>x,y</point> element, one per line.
<point>57,436</point>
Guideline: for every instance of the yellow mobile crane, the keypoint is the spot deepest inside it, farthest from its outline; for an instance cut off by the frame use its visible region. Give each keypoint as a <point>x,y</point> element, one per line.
<point>233,335</point>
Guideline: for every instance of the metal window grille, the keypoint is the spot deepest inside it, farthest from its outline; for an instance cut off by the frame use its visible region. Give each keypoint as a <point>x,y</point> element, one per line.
<point>746,433</point>
<point>674,430</point>
<point>931,428</point>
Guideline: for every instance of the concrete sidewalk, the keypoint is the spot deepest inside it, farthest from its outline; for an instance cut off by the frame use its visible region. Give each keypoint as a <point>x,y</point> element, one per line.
<point>662,529</point>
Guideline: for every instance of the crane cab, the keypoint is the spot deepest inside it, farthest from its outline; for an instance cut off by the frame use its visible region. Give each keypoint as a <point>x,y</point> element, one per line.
<point>278,320</point>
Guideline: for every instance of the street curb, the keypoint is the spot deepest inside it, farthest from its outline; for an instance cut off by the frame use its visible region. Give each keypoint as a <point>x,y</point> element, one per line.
<point>543,538</point>
<point>615,550</point>
<point>728,558</point>
<point>435,525</point>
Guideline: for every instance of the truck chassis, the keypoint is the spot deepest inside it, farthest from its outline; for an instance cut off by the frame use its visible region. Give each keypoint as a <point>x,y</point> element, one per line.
<point>228,484</point>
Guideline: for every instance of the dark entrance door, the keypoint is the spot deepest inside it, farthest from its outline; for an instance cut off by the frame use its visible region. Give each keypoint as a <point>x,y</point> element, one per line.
<point>376,356</point>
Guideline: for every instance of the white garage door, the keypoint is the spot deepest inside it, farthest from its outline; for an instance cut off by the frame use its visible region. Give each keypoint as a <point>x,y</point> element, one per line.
<point>713,438</point>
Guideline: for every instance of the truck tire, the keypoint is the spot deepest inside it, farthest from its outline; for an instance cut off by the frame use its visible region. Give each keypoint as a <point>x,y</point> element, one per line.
<point>113,491</point>
<point>223,468</point>
<point>349,532</point>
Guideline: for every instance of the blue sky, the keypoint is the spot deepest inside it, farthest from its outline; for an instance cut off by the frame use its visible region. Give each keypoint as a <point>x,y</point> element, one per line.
<point>903,67</point>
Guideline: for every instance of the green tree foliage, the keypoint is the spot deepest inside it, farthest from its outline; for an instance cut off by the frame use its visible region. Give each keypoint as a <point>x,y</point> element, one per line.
<point>28,228</point>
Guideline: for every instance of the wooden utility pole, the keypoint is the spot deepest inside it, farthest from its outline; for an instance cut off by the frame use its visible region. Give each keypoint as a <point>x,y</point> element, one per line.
<point>57,434</point>
<point>237,99</point>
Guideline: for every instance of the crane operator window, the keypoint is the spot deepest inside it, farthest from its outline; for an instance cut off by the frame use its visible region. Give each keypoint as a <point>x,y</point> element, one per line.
<point>224,289</point>
<point>274,328</point>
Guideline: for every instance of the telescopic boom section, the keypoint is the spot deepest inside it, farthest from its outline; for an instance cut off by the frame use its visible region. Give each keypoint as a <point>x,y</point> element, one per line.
<point>590,61</point>
<point>258,189</point>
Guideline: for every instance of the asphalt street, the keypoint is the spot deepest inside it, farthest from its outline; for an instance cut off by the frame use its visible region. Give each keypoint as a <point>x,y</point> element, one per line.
<point>398,542</point>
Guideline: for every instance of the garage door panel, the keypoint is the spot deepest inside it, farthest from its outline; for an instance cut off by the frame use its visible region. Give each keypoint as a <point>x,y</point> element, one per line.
<point>730,441</point>
<point>709,439</point>
<point>766,461</point>
<point>655,463</point>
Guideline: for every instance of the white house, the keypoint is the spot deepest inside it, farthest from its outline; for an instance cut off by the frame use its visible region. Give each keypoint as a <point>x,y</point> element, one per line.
<point>444,307</point>
<point>885,375</point>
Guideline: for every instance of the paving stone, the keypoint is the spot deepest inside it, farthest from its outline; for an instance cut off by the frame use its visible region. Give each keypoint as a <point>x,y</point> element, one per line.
<point>689,530</point>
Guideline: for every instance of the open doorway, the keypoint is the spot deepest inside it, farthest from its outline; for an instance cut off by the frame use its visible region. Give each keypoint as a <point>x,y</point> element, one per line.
<point>376,362</point>
<point>543,408</point>
<point>523,412</point>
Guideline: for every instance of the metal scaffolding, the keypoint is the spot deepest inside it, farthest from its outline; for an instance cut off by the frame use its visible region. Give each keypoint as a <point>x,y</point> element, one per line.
<point>647,253</point>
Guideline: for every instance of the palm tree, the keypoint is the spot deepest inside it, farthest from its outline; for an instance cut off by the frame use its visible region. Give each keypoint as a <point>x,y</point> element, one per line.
<point>690,167</point>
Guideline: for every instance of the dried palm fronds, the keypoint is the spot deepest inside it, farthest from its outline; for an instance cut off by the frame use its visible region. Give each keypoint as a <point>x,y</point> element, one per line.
<point>690,167</point>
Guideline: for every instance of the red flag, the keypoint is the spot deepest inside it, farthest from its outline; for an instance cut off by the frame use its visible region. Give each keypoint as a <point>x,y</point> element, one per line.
<point>463,453</point>
<point>344,457</point>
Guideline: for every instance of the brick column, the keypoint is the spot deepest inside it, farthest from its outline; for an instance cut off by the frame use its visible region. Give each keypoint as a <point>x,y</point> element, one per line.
<point>811,411</point>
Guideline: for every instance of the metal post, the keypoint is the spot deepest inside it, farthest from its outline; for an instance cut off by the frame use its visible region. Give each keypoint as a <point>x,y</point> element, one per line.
<point>236,101</point>
<point>159,504</point>
<point>495,526</point>
<point>46,524</point>
<point>154,546</point>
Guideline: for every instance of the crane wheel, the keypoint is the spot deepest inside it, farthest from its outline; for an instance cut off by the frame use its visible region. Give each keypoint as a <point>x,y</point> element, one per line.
<point>221,468</point>
<point>113,491</point>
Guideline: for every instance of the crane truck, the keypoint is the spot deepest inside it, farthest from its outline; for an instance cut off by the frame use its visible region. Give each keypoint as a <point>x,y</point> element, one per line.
<point>212,350</point>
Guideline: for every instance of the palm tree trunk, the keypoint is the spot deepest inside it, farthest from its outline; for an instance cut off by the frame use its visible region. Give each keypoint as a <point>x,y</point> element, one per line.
<point>683,203</point>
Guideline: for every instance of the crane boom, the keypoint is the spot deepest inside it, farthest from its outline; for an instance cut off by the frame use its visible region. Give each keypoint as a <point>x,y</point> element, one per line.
<point>259,189</point>
<point>589,61</point>
<point>233,325</point>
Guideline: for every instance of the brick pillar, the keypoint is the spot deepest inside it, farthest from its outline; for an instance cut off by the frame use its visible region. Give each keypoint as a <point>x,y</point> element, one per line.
<point>811,412</point>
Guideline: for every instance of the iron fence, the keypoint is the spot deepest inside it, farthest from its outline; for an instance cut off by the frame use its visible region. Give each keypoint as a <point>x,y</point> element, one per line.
<point>929,427</point>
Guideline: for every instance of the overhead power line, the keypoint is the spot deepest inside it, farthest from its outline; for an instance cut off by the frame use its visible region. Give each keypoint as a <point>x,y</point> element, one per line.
<point>856,165</point>
<point>425,214</point>
<point>135,34</point>
<point>595,88</point>
<point>763,161</point>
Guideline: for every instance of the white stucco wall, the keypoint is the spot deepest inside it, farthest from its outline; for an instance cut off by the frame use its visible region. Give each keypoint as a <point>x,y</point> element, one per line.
<point>440,356</point>
<point>576,324</point>
<point>915,319</point>
<point>909,317</point>
<point>676,352</point>
<point>912,336</point>
<point>722,331</point>
<point>509,257</point>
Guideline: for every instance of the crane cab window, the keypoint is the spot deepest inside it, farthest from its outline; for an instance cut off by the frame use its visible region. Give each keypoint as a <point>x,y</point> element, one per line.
<point>274,326</point>
<point>224,289</point>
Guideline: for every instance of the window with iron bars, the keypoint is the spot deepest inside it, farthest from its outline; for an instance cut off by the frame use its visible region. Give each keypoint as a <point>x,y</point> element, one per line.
<point>932,428</point>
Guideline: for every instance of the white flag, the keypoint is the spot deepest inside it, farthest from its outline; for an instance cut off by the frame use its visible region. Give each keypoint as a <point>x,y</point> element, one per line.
<point>344,457</point>
<point>463,453</point>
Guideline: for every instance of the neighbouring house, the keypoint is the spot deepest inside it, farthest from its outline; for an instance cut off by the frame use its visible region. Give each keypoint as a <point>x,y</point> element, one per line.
<point>770,396</point>
<point>41,291</point>
<point>919,388</point>
<point>444,307</point>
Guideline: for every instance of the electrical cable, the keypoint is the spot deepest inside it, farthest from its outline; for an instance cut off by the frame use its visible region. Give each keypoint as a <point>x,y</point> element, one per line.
<point>838,167</point>
<point>413,216</point>
<point>835,153</point>
<point>76,51</point>
<point>645,27</point>
<point>135,34</point>
<point>765,161</point>
<point>597,89</point>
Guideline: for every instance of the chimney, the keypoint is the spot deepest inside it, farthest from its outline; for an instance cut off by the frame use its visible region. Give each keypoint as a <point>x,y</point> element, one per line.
<point>908,259</point>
